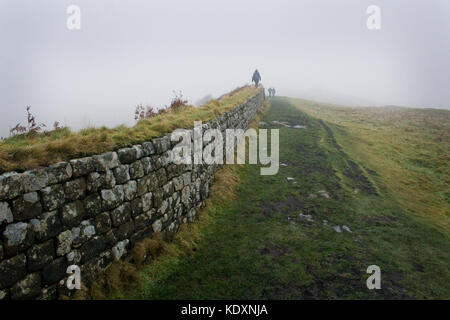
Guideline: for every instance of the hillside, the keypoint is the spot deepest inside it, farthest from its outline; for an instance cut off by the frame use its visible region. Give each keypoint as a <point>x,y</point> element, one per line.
<point>366,186</point>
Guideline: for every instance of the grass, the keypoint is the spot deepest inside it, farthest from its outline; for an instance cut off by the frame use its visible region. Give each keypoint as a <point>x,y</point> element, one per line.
<point>253,246</point>
<point>24,152</point>
<point>409,148</point>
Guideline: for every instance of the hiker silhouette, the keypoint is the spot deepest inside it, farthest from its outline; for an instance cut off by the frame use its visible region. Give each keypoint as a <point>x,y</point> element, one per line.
<point>256,77</point>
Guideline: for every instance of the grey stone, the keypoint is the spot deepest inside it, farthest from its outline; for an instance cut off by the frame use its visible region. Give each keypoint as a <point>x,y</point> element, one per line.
<point>100,180</point>
<point>187,178</point>
<point>178,183</point>
<point>27,288</point>
<point>163,208</point>
<point>111,198</point>
<point>26,207</point>
<point>125,230</point>
<point>161,144</point>
<point>323,194</point>
<point>17,237</point>
<point>122,174</point>
<point>59,172</point>
<point>143,185</point>
<point>337,229</point>
<point>73,213</point>
<point>102,223</point>
<point>147,201</point>
<point>120,249</point>
<point>147,165</point>
<point>130,190</point>
<point>12,270</point>
<point>10,185</point>
<point>305,217</point>
<point>34,180</point>
<point>136,207</point>
<point>158,198</point>
<point>48,226</point>
<point>64,243</point>
<point>161,176</point>
<point>93,205</point>
<point>121,214</point>
<point>82,233</point>
<point>55,271</point>
<point>53,197</point>
<point>93,248</point>
<point>168,189</point>
<point>148,148</point>
<point>347,229</point>
<point>127,155</point>
<point>73,257</point>
<point>83,166</point>
<point>75,189</point>
<point>139,151</point>
<point>136,170</point>
<point>106,161</point>
<point>39,255</point>
<point>186,196</point>
<point>157,226</point>
<point>5,213</point>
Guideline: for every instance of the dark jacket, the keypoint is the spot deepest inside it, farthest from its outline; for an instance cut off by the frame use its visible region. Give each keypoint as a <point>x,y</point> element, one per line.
<point>256,76</point>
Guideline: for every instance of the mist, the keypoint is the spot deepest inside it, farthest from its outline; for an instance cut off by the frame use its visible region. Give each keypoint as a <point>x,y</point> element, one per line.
<point>134,52</point>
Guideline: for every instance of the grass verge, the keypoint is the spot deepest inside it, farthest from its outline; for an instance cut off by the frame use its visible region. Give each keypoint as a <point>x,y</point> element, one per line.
<point>24,152</point>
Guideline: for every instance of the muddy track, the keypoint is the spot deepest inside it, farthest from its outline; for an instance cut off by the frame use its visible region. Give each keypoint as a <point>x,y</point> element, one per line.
<point>353,171</point>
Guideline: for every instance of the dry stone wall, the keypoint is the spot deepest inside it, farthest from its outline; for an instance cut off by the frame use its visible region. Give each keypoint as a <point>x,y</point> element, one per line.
<point>91,211</point>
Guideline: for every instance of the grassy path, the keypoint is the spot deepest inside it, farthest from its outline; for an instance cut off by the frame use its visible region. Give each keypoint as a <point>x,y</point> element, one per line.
<point>258,247</point>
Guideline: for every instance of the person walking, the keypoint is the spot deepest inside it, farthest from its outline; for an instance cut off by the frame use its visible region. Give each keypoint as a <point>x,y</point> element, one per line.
<point>256,77</point>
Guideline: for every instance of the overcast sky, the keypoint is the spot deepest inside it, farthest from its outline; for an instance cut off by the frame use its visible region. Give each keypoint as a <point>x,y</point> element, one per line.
<point>129,52</point>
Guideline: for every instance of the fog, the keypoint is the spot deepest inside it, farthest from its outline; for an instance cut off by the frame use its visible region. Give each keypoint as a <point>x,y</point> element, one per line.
<point>129,52</point>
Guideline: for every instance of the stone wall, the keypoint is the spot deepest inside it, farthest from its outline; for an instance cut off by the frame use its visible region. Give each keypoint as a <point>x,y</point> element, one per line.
<point>91,211</point>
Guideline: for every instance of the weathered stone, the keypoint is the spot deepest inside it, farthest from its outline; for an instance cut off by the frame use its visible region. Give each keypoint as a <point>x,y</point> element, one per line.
<point>96,265</point>
<point>178,183</point>
<point>75,189</point>
<point>142,221</point>
<point>12,270</point>
<point>149,149</point>
<point>73,213</point>
<point>147,201</point>
<point>121,214</point>
<point>168,189</point>
<point>158,198</point>
<point>26,207</point>
<point>139,151</point>
<point>97,181</point>
<point>48,226</point>
<point>84,232</point>
<point>130,190</point>
<point>187,178</point>
<point>6,215</point>
<point>10,185</point>
<point>161,176</point>
<point>157,226</point>
<point>186,196</point>
<point>55,271</point>
<point>3,295</point>
<point>83,166</point>
<point>93,248</point>
<point>125,230</point>
<point>120,249</point>
<point>142,185</point>
<point>34,180</point>
<point>73,257</point>
<point>102,223</point>
<point>1,251</point>
<point>53,197</point>
<point>165,159</point>
<point>122,174</point>
<point>59,172</point>
<point>161,144</point>
<point>147,165</point>
<point>106,161</point>
<point>136,207</point>
<point>127,155</point>
<point>136,170</point>
<point>111,198</point>
<point>163,208</point>
<point>39,255</point>
<point>93,205</point>
<point>64,243</point>
<point>27,288</point>
<point>17,237</point>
